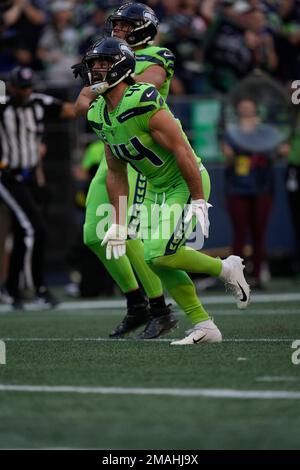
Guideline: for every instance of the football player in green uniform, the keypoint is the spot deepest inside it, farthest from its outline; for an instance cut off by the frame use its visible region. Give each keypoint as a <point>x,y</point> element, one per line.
<point>137,24</point>
<point>138,128</point>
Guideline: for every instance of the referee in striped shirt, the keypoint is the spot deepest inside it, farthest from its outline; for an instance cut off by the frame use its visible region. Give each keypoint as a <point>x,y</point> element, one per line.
<point>22,120</point>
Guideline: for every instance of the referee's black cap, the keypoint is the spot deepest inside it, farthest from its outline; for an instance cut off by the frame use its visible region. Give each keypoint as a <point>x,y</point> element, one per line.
<point>22,77</point>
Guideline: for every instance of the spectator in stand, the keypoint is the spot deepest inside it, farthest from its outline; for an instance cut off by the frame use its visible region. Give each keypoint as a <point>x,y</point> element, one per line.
<point>22,24</point>
<point>83,11</point>
<point>9,15</point>
<point>260,40</point>
<point>95,29</point>
<point>164,9</point>
<point>287,39</point>
<point>227,55</point>
<point>190,7</point>
<point>33,17</point>
<point>249,148</point>
<point>184,35</point>
<point>58,46</point>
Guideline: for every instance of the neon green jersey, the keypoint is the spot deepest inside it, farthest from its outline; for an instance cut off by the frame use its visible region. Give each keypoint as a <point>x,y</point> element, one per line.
<point>154,55</point>
<point>126,131</point>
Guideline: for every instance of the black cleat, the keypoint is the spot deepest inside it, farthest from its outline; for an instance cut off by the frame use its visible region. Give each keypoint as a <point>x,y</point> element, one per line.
<point>137,315</point>
<point>158,326</point>
<point>160,311</point>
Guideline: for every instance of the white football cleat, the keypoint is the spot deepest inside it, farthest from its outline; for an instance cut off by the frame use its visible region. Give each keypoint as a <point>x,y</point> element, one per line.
<point>234,279</point>
<point>204,332</point>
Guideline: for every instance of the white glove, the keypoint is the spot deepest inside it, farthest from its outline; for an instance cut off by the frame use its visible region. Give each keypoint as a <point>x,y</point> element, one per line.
<point>199,209</point>
<point>99,88</point>
<point>115,239</point>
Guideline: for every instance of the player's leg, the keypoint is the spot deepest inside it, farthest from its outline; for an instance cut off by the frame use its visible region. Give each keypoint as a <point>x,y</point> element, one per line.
<point>120,270</point>
<point>182,290</point>
<point>176,256</point>
<point>168,256</point>
<point>135,248</point>
<point>150,281</point>
<point>159,232</point>
<point>229,270</point>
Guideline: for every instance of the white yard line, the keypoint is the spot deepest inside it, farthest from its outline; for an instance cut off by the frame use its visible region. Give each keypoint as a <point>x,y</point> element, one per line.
<point>5,310</point>
<point>176,392</point>
<point>214,299</point>
<point>116,304</point>
<point>277,378</point>
<point>157,340</point>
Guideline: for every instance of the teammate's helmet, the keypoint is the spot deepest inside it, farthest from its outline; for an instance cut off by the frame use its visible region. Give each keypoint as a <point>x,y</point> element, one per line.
<point>21,77</point>
<point>141,17</point>
<point>120,62</point>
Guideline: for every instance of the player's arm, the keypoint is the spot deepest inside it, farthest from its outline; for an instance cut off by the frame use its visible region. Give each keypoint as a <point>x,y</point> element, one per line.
<point>117,185</point>
<point>165,131</point>
<point>155,74</point>
<point>83,101</point>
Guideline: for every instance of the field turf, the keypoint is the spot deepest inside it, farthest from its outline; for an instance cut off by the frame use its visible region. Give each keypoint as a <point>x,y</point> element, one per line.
<point>150,395</point>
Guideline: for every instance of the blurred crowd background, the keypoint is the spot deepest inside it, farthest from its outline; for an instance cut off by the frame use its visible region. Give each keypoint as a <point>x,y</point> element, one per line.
<point>216,42</point>
<point>235,62</point>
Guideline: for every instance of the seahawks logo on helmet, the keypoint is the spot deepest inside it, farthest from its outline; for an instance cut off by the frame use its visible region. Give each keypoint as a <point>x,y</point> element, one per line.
<point>124,48</point>
<point>150,16</point>
<point>141,17</point>
<point>120,62</point>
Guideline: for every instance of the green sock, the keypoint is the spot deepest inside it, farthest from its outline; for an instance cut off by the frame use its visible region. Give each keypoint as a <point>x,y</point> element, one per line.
<point>182,290</point>
<point>150,282</point>
<point>120,270</point>
<point>192,261</point>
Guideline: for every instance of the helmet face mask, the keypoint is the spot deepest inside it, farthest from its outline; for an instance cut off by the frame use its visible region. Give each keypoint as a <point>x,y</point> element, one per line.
<point>98,69</point>
<point>108,61</point>
<point>139,20</point>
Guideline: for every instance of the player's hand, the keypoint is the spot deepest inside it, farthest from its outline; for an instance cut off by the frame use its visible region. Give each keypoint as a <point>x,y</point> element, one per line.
<point>115,241</point>
<point>99,88</point>
<point>199,209</point>
<point>77,69</point>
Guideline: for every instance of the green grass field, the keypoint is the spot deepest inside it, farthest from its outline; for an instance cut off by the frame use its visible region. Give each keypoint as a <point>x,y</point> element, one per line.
<point>149,395</point>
